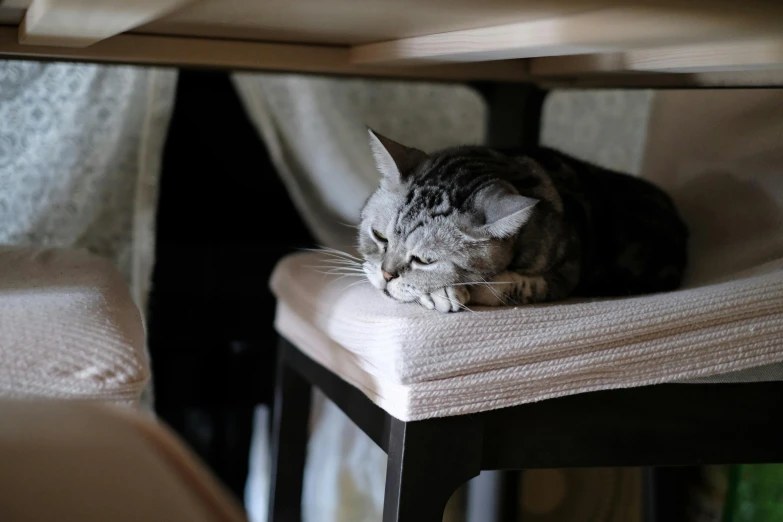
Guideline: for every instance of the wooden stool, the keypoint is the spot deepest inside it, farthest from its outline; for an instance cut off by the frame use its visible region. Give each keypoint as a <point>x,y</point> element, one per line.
<point>665,425</point>
<point>432,453</point>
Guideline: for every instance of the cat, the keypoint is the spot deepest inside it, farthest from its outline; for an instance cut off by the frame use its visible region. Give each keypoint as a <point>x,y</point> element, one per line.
<point>475,225</point>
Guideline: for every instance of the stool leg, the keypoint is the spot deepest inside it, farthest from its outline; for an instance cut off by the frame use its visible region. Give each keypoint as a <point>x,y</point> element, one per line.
<point>428,461</point>
<point>648,495</point>
<point>289,442</point>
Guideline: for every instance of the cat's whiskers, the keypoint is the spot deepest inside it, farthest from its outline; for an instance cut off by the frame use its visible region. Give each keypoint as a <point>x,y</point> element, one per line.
<point>463,307</point>
<point>498,294</point>
<point>331,270</point>
<point>348,262</point>
<point>489,284</point>
<point>338,266</point>
<point>479,283</point>
<point>336,260</point>
<point>361,281</point>
<point>334,253</point>
<point>344,276</point>
<point>337,263</point>
<point>327,270</point>
<point>352,270</point>
<point>335,257</point>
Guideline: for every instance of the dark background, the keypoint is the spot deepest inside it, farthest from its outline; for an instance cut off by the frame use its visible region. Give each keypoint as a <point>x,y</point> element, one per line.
<point>224,219</point>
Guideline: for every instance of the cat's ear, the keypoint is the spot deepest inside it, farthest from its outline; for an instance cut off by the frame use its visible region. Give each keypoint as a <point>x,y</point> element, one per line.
<point>501,211</point>
<point>393,160</point>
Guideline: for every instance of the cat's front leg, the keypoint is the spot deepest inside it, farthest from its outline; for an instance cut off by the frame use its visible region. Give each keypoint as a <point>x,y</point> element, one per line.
<point>511,288</point>
<point>445,300</point>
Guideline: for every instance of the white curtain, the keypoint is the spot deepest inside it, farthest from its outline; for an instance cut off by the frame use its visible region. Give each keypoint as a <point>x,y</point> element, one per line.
<point>80,151</point>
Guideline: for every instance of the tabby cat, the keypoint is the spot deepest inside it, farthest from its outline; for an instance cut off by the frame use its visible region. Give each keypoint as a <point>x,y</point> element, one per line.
<point>473,225</point>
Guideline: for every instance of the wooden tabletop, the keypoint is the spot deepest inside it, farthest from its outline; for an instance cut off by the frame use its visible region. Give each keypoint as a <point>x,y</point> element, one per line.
<point>632,43</point>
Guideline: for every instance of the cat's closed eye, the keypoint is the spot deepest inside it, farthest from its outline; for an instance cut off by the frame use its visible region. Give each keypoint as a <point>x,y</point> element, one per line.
<point>422,261</point>
<point>380,237</point>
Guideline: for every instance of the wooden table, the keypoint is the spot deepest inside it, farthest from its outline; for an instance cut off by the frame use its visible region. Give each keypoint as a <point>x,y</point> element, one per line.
<point>554,43</point>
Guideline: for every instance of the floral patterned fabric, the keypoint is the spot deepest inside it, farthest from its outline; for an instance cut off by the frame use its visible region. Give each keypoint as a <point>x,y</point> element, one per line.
<point>80,147</point>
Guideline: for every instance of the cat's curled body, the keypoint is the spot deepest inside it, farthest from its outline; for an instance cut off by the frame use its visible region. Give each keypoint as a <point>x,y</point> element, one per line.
<point>473,225</point>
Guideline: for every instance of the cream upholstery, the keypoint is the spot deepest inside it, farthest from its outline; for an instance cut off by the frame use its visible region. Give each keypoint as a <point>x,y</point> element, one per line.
<point>416,363</point>
<point>70,461</point>
<point>68,328</point>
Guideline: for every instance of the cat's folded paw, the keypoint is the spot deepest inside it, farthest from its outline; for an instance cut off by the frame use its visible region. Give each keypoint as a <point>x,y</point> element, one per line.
<point>495,291</point>
<point>445,300</point>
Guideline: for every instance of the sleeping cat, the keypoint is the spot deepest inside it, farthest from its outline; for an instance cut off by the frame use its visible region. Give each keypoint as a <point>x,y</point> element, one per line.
<point>473,225</point>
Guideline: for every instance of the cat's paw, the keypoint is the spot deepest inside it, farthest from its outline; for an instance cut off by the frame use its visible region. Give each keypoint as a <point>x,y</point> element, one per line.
<point>445,300</point>
<point>495,291</point>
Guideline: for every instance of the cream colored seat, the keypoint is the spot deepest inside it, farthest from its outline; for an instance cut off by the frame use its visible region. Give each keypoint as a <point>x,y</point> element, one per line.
<point>68,329</point>
<point>417,364</point>
<point>70,461</point>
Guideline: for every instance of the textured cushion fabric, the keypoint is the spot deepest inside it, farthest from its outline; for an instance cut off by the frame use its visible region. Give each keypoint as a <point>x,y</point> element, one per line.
<point>417,364</point>
<point>68,328</point>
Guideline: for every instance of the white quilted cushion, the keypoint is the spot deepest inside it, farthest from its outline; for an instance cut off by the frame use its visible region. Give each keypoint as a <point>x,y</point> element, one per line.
<point>68,328</point>
<point>416,363</point>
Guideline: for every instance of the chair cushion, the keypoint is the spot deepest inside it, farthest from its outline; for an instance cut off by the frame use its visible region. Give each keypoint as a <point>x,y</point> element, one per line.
<point>93,463</point>
<point>417,364</point>
<point>68,328</point>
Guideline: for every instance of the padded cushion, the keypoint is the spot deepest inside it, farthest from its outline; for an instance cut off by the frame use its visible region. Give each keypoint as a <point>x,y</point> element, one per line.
<point>92,463</point>
<point>416,363</point>
<point>68,328</point>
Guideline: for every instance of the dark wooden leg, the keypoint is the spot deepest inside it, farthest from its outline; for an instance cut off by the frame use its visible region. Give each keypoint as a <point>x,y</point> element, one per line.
<point>514,113</point>
<point>649,495</point>
<point>668,492</point>
<point>512,481</point>
<point>289,441</point>
<point>513,120</point>
<point>428,461</point>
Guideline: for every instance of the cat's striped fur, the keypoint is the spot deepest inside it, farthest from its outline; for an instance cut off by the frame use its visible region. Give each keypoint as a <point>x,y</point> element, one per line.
<point>476,225</point>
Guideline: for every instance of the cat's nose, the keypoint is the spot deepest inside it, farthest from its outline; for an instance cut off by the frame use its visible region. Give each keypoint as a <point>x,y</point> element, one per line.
<point>387,276</point>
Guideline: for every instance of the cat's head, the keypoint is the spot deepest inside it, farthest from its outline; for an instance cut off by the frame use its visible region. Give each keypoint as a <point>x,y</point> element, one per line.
<point>438,220</point>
